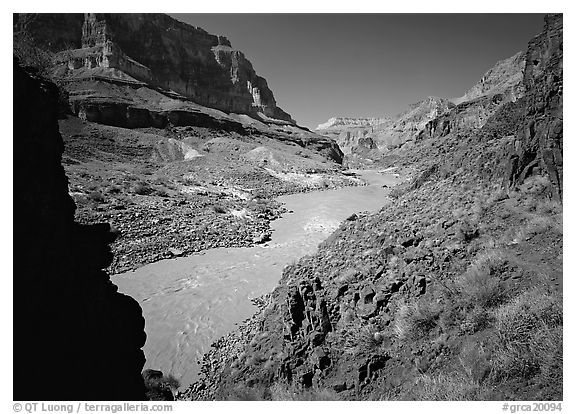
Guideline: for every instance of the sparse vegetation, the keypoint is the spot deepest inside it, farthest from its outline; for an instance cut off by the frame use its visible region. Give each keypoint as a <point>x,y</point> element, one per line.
<point>529,335</point>
<point>482,285</point>
<point>96,196</point>
<point>142,188</point>
<point>281,391</point>
<point>415,320</point>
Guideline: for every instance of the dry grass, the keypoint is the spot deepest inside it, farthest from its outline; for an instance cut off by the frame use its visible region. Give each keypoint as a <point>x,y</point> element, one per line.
<point>281,391</point>
<point>415,320</point>
<point>290,392</point>
<point>529,335</point>
<point>446,387</point>
<point>481,285</point>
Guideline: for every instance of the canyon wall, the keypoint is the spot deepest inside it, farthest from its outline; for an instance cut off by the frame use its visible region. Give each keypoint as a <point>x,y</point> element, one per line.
<point>75,336</point>
<point>158,50</point>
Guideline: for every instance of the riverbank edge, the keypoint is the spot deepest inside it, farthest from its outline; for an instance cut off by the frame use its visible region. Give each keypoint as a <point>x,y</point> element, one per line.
<point>261,227</point>
<point>231,344</point>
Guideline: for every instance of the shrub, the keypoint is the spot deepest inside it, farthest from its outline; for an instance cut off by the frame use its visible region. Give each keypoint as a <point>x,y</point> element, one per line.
<point>142,188</point>
<point>162,192</point>
<point>363,340</point>
<point>474,361</point>
<point>541,224</point>
<point>446,387</point>
<point>482,284</point>
<point>290,392</point>
<point>96,196</point>
<point>114,189</point>
<point>416,320</point>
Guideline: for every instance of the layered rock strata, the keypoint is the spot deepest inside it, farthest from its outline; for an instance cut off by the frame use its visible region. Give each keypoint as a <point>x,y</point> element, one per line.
<point>157,50</point>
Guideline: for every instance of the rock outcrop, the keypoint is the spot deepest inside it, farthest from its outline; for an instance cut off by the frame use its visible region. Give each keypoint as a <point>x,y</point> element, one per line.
<point>75,336</point>
<point>463,118</point>
<point>538,141</point>
<point>157,50</point>
<point>499,85</point>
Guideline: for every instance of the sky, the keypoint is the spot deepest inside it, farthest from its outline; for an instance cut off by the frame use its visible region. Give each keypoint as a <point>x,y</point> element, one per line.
<point>368,65</point>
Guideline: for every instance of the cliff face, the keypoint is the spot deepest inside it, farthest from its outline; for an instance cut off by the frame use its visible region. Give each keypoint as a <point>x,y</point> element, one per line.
<point>161,51</point>
<point>538,140</point>
<point>75,336</point>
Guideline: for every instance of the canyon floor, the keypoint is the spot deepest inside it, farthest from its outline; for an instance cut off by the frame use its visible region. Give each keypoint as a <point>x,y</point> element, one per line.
<point>235,241</point>
<point>177,191</point>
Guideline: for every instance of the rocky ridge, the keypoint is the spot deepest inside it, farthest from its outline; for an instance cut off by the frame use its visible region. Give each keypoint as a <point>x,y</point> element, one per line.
<point>458,299</point>
<point>366,140</point>
<point>432,116</point>
<point>504,76</point>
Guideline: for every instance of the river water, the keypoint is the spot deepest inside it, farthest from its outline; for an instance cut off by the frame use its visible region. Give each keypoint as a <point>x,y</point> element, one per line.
<point>189,302</point>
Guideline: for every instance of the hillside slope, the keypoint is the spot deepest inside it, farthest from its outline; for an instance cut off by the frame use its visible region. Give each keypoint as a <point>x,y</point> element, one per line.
<point>453,292</point>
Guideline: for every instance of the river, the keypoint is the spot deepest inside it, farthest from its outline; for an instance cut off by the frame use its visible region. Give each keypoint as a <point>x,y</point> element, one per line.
<point>189,302</point>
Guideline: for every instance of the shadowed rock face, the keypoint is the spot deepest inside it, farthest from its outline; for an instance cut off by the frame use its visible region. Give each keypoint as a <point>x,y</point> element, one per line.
<point>75,336</point>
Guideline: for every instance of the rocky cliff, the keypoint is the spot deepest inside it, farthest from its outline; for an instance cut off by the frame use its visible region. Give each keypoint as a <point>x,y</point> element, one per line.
<point>157,50</point>
<point>538,140</point>
<point>151,71</point>
<point>75,336</point>
<point>351,122</point>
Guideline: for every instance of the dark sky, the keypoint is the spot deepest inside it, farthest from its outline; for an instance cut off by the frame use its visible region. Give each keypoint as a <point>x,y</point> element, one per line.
<point>364,65</point>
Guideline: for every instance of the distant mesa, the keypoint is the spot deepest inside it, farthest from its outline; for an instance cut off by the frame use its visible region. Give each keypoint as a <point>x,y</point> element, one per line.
<point>346,121</point>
